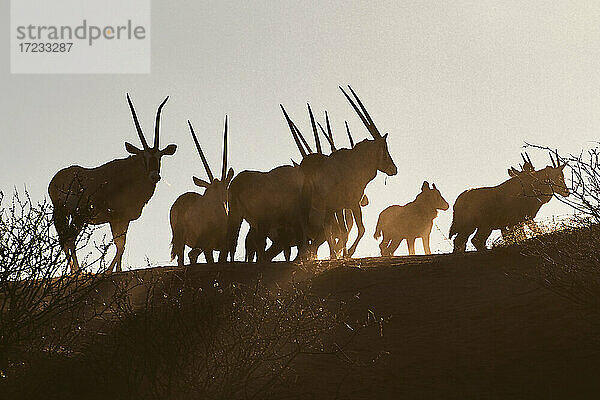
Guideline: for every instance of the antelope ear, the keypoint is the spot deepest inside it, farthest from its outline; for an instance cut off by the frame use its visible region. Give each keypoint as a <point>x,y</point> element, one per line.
<point>200,182</point>
<point>425,186</point>
<point>385,136</point>
<point>512,171</point>
<point>229,175</point>
<point>562,166</point>
<point>169,150</point>
<point>433,185</point>
<point>132,149</point>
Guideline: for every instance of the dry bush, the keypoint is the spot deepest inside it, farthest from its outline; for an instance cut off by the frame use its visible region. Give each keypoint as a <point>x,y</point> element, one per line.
<point>239,342</point>
<point>146,335</point>
<point>568,262</point>
<point>164,338</point>
<point>41,307</point>
<point>583,180</point>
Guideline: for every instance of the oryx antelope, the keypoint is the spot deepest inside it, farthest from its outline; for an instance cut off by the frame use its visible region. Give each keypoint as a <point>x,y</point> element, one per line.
<point>267,201</point>
<point>286,235</point>
<point>517,231</point>
<point>200,220</point>
<point>410,221</point>
<point>506,204</point>
<point>271,204</point>
<point>113,193</point>
<point>339,183</point>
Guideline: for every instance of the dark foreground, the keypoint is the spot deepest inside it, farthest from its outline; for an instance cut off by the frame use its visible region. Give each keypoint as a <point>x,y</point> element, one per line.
<point>473,326</point>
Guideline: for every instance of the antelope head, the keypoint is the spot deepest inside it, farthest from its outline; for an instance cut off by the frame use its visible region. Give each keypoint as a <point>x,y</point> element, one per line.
<point>384,160</point>
<point>151,155</point>
<point>546,181</point>
<point>433,197</point>
<point>215,187</point>
<point>527,166</point>
<point>554,177</point>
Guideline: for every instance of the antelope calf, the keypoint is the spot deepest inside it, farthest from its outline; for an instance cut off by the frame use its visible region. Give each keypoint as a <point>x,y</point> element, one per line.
<point>410,221</point>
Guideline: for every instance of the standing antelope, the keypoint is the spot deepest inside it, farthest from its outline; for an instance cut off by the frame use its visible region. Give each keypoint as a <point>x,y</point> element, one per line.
<point>267,201</point>
<point>505,205</point>
<point>410,221</point>
<point>200,220</point>
<point>271,204</point>
<point>113,193</point>
<point>340,224</point>
<point>517,231</point>
<point>341,180</point>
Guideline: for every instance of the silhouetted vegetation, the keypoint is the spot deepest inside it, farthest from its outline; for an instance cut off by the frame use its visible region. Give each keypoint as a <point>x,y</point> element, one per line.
<point>161,338</point>
<point>583,175</point>
<point>153,336</point>
<point>41,306</point>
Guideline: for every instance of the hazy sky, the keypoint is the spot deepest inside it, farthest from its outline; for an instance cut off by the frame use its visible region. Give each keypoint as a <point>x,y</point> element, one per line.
<point>458,85</point>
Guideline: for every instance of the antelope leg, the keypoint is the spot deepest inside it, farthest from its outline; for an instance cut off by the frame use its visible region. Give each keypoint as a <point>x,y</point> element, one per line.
<point>357,211</point>
<point>119,232</point>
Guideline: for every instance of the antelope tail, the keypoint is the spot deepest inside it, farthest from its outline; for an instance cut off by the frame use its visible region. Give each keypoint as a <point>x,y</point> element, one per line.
<point>234,222</point>
<point>176,245</point>
<point>177,240</point>
<point>378,230</point>
<point>453,230</point>
<point>173,251</point>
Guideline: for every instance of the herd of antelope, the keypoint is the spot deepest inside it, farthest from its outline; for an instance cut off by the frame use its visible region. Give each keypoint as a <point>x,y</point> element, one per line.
<point>302,205</point>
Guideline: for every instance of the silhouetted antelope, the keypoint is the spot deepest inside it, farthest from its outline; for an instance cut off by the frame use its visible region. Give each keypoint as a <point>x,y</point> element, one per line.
<point>410,221</point>
<point>517,231</point>
<point>271,204</point>
<point>113,193</point>
<point>339,183</point>
<point>200,220</point>
<point>505,205</point>
<point>267,201</point>
<point>285,235</point>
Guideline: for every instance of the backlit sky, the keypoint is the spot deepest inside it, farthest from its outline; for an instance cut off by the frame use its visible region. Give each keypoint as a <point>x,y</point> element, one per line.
<point>458,85</point>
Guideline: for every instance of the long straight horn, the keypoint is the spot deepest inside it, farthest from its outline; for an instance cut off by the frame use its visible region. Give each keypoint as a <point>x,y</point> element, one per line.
<point>157,122</point>
<point>314,128</point>
<point>304,142</point>
<point>528,159</point>
<point>206,167</point>
<point>294,135</point>
<point>552,159</point>
<point>362,113</point>
<point>331,144</point>
<point>349,135</point>
<point>329,132</point>
<point>137,123</point>
<point>224,170</point>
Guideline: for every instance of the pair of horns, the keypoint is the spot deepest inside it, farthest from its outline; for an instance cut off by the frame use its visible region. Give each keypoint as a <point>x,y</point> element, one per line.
<point>329,134</point>
<point>296,134</point>
<point>156,124</point>
<point>362,113</point>
<point>301,143</point>
<point>527,164</point>
<point>204,161</point>
<point>555,160</point>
